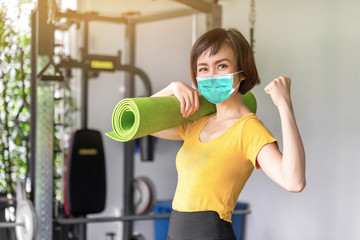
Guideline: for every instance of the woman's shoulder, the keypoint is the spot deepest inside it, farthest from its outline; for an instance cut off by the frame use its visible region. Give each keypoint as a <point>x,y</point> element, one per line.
<point>251,118</point>
<point>247,119</point>
<point>253,125</point>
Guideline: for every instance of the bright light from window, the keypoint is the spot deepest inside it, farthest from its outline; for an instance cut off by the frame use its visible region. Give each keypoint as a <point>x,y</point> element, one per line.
<point>68,4</point>
<point>21,15</point>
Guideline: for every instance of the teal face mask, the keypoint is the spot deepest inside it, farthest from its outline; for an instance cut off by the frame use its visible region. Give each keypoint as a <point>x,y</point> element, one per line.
<point>217,88</point>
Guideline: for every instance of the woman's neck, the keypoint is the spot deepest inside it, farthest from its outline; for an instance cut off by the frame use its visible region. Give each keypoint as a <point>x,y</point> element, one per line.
<point>233,107</point>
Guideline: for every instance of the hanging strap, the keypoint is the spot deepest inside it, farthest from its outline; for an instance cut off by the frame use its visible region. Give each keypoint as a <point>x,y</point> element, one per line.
<point>252,19</point>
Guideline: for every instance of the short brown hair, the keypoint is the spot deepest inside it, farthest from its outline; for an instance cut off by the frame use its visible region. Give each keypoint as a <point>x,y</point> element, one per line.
<point>214,40</point>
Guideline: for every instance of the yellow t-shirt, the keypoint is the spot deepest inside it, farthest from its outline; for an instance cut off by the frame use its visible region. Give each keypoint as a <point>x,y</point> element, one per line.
<point>211,175</point>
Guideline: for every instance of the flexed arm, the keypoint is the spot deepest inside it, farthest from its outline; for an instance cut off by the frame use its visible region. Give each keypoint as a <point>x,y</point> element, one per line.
<point>286,169</point>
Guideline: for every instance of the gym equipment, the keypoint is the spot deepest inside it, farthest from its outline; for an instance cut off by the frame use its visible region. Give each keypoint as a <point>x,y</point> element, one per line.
<point>137,236</point>
<point>144,195</point>
<point>30,227</point>
<point>44,159</point>
<point>26,220</point>
<point>147,148</point>
<point>85,177</point>
<point>45,19</point>
<point>137,117</point>
<point>252,20</point>
<point>71,221</point>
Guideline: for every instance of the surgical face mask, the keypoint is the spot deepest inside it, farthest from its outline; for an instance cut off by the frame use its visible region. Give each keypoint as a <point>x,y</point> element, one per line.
<point>217,88</point>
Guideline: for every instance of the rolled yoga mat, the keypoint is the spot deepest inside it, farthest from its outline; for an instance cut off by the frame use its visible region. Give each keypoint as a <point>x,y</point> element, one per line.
<point>137,117</point>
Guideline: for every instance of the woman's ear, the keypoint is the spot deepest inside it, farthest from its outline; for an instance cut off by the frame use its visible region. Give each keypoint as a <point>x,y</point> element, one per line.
<point>242,77</point>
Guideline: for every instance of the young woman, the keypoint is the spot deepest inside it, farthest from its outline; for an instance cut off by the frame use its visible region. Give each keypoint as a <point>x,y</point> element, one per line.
<point>221,150</point>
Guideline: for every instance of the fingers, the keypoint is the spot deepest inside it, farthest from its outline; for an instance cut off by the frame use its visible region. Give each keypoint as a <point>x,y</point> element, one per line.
<point>187,107</point>
<point>188,98</point>
<point>279,90</point>
<point>182,106</point>
<point>196,101</point>
<point>280,82</point>
<point>190,104</point>
<point>267,89</point>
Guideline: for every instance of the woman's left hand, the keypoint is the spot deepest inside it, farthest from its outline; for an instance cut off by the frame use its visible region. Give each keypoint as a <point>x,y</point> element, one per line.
<point>287,168</point>
<point>279,90</point>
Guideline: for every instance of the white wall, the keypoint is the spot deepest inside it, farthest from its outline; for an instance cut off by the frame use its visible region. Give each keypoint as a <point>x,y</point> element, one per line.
<point>316,43</point>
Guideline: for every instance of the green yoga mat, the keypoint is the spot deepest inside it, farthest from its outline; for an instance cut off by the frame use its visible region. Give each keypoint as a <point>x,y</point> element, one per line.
<point>137,117</point>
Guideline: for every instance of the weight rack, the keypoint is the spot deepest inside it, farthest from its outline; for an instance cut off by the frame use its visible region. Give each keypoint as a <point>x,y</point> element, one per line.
<point>42,89</point>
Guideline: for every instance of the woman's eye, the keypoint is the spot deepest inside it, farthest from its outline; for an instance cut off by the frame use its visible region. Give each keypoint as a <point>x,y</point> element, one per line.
<point>222,66</point>
<point>202,69</point>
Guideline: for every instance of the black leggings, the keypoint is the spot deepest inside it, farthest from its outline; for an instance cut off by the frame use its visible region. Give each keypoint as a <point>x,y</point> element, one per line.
<point>204,225</point>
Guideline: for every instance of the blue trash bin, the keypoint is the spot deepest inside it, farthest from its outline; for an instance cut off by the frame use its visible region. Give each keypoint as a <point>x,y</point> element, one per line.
<point>161,226</point>
<point>238,221</point>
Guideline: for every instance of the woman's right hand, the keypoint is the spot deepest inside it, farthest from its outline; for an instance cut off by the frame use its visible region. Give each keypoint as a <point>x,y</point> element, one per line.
<point>189,104</point>
<point>187,96</point>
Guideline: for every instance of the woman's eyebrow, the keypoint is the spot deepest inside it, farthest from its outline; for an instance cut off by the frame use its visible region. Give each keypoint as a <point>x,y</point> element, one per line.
<point>216,62</point>
<point>221,60</point>
<point>202,64</point>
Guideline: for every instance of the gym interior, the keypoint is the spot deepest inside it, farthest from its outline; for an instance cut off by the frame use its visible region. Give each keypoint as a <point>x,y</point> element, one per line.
<point>97,53</point>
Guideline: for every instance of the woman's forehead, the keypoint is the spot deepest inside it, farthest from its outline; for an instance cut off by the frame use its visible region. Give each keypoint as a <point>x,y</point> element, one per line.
<point>225,51</point>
